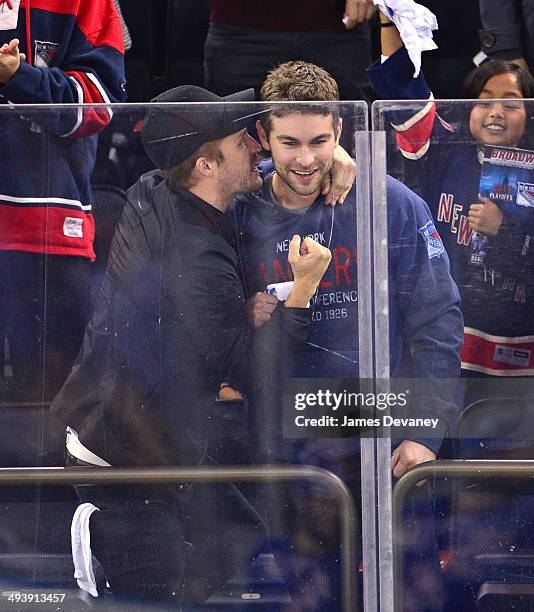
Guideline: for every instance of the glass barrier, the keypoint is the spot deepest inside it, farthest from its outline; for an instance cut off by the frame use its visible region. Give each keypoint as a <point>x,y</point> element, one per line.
<point>172,285</point>
<point>461,537</point>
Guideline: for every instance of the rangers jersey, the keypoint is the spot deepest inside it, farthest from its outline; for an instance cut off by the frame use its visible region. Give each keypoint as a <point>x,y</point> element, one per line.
<point>441,162</point>
<point>74,54</point>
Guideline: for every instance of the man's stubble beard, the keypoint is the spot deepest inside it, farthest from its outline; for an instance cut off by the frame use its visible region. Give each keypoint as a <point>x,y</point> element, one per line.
<point>245,185</point>
<point>291,181</point>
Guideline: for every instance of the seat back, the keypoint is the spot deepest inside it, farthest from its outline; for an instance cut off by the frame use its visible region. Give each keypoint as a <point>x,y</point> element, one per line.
<point>492,533</point>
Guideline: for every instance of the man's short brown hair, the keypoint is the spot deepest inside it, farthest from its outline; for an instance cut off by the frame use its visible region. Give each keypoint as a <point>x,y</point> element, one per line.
<point>181,175</point>
<point>299,81</point>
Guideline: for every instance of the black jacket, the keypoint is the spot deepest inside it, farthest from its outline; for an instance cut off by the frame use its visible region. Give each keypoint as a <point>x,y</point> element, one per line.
<point>508,29</point>
<point>169,327</point>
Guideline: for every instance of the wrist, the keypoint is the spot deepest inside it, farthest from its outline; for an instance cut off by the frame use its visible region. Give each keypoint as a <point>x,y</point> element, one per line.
<point>301,294</point>
<point>385,20</point>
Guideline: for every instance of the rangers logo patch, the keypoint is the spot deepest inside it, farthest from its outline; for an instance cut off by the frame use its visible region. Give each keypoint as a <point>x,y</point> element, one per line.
<point>45,53</point>
<point>525,194</point>
<point>432,239</point>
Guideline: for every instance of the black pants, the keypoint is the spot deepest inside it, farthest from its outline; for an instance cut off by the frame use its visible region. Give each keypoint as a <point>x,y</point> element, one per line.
<point>44,307</point>
<point>237,57</point>
<point>138,538</point>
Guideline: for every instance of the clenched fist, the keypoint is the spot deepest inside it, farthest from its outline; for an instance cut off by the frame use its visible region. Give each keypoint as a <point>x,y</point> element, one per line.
<point>309,261</point>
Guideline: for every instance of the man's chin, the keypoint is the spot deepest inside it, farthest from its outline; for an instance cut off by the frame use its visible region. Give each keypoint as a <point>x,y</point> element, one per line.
<point>253,185</point>
<point>306,191</point>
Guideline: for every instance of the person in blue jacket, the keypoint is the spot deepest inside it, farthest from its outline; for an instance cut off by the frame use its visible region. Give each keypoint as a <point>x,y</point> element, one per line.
<point>441,161</point>
<point>50,53</point>
<point>424,316</point>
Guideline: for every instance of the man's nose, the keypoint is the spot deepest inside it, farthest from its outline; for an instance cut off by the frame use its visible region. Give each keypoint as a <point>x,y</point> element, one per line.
<point>253,145</point>
<point>305,157</point>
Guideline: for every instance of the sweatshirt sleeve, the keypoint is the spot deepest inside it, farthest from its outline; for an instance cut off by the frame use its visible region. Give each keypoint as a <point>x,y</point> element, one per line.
<point>414,127</point>
<point>89,70</point>
<point>428,301</point>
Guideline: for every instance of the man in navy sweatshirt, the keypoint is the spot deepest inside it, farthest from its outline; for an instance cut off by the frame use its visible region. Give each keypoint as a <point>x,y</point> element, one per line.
<point>424,317</point>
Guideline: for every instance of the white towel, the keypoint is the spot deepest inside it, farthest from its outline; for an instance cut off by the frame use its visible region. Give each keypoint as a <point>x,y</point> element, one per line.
<point>81,548</point>
<point>415,24</point>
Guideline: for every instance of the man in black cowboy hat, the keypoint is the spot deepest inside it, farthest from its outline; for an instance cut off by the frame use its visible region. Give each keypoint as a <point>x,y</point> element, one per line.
<point>170,326</point>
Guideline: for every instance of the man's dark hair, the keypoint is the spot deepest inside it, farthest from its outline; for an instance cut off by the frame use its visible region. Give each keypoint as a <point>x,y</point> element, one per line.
<point>476,80</point>
<point>181,175</point>
<point>299,82</point>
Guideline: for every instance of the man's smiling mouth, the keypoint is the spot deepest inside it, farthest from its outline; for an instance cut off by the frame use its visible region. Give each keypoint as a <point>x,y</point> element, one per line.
<point>302,173</point>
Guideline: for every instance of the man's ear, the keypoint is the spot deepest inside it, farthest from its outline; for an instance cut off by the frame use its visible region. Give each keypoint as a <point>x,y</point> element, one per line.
<point>205,166</point>
<point>338,128</point>
<point>262,136</point>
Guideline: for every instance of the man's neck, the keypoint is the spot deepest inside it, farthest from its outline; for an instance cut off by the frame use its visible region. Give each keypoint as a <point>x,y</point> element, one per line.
<point>287,198</point>
<point>211,196</point>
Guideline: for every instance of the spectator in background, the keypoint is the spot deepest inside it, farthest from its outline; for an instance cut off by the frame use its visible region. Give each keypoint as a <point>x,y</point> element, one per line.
<point>457,41</point>
<point>248,39</point>
<point>46,228</point>
<point>508,31</point>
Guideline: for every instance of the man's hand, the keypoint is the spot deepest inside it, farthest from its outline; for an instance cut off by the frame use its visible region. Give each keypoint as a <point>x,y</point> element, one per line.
<point>260,307</point>
<point>336,188</point>
<point>357,11</point>
<point>407,455</point>
<point>485,218</point>
<point>309,261</point>
<point>229,394</point>
<point>10,58</point>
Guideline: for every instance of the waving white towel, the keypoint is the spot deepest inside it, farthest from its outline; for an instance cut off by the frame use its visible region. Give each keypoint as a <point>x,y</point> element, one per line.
<point>81,548</point>
<point>415,24</point>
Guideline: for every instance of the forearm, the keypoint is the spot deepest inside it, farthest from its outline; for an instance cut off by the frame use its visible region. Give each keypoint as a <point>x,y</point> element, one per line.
<point>301,294</point>
<point>390,40</point>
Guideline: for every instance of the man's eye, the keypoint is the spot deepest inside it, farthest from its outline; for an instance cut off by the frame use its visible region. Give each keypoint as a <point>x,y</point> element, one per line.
<point>319,142</point>
<point>513,105</point>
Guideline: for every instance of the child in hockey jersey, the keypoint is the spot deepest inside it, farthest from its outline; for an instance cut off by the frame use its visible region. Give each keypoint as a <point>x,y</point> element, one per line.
<point>442,163</point>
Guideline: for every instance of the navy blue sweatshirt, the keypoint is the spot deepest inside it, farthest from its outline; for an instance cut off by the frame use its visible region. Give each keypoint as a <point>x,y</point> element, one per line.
<point>424,316</point>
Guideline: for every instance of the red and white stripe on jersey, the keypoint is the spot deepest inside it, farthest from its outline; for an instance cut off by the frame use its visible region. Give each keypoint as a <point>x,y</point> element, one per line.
<point>497,355</point>
<point>89,18</point>
<point>89,91</point>
<point>24,222</point>
<point>413,136</point>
